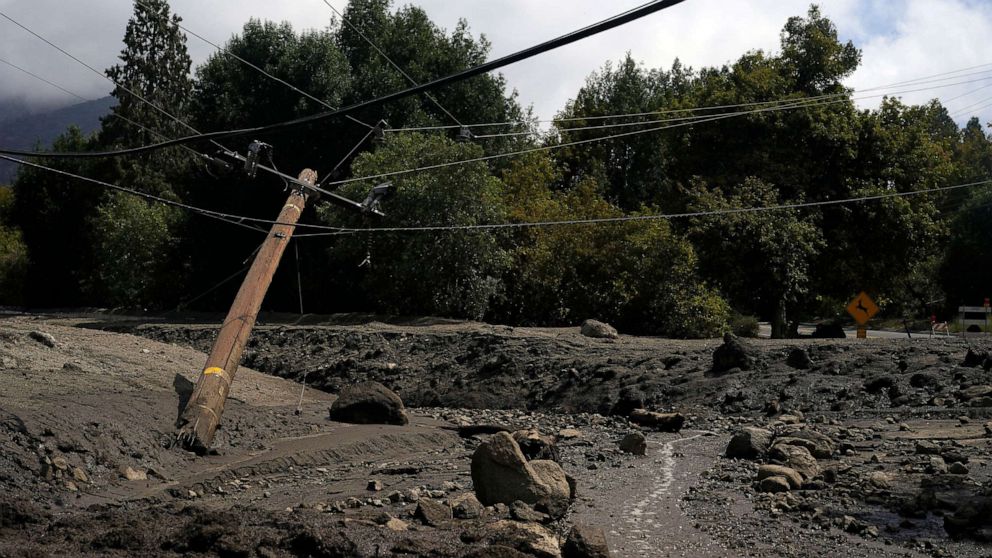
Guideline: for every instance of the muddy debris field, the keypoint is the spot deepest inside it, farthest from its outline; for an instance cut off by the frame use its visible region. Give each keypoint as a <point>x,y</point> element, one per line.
<point>475,440</point>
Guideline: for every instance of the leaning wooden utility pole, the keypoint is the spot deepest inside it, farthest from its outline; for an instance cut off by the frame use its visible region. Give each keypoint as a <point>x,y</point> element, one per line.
<point>201,416</point>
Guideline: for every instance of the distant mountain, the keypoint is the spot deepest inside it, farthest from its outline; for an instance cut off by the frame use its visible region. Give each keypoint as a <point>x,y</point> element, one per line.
<point>20,131</point>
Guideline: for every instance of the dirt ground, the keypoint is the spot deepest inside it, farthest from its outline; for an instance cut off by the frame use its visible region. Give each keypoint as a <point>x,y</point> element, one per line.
<point>88,465</point>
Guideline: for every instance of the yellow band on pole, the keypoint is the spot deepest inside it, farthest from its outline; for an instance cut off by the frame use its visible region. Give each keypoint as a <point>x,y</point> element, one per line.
<point>213,370</point>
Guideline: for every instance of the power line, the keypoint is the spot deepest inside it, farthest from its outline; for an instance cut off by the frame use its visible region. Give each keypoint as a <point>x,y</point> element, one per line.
<point>226,217</point>
<point>36,76</point>
<point>799,104</point>
<point>594,29</point>
<point>390,60</point>
<point>226,52</point>
<point>84,99</point>
<point>917,81</point>
<point>99,73</point>
<point>331,195</point>
<point>655,217</point>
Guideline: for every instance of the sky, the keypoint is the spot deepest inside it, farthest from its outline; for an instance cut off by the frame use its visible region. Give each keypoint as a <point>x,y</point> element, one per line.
<point>900,40</point>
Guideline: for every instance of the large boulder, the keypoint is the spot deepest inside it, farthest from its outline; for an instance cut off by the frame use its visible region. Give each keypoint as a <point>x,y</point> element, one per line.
<point>369,403</point>
<point>599,330</point>
<point>791,475</point>
<point>749,443</point>
<point>634,443</point>
<point>795,457</point>
<point>530,538</point>
<point>799,359</point>
<point>585,542</point>
<point>502,474</point>
<point>732,354</point>
<point>819,445</point>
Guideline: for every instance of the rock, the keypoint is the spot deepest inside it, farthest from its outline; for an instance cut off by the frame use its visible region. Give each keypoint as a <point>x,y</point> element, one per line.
<point>466,506</point>
<point>877,384</point>
<point>799,359</point>
<point>569,434</point>
<point>791,475</point>
<point>374,486</point>
<point>396,525</point>
<point>974,359</point>
<point>974,392</point>
<point>936,465</point>
<point>585,542</point>
<point>534,445</point>
<point>749,443</point>
<point>829,331</point>
<point>599,330</point>
<point>523,512</point>
<point>80,475</point>
<point>501,473</point>
<point>552,475</point>
<point>819,445</point>
<point>634,443</point>
<point>663,422</point>
<point>368,403</point>
<point>495,551</point>
<point>881,479</point>
<point>60,463</point>
<point>796,457</point>
<point>132,474</point>
<point>45,339</point>
<point>957,468</point>
<point>432,512</point>
<point>529,538</point>
<point>630,398</point>
<point>731,354</point>
<point>774,484</point>
<point>926,447</point>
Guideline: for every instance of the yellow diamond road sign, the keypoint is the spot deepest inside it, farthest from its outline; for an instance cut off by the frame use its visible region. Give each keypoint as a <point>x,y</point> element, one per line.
<point>862,308</point>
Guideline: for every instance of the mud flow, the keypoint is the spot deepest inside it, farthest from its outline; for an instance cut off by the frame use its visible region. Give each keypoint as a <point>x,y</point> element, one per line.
<point>600,447</point>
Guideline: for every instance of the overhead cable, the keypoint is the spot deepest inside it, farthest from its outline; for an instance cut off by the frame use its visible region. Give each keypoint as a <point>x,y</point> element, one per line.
<point>390,60</point>
<point>655,217</point>
<point>797,104</point>
<point>600,27</point>
<point>227,52</point>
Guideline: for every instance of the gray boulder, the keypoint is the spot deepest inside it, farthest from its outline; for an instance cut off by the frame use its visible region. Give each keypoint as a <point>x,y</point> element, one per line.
<point>599,330</point>
<point>501,474</point>
<point>634,443</point>
<point>585,542</point>
<point>795,457</point>
<point>368,403</point>
<point>732,354</point>
<point>749,443</point>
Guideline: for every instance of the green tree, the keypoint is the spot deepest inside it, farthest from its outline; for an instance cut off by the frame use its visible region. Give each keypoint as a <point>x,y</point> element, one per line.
<point>132,246</point>
<point>761,260</point>
<point>966,274</point>
<point>13,253</point>
<point>447,273</point>
<point>639,276</point>
<point>52,212</point>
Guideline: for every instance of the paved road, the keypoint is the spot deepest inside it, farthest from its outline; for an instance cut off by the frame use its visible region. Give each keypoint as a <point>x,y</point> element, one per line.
<point>765,331</point>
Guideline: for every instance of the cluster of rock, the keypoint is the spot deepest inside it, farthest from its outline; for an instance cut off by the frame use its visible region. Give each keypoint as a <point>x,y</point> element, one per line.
<point>790,456</point>
<point>519,487</point>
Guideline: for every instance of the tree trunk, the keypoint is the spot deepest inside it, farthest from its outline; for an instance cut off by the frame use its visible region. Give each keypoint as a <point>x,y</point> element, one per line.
<point>779,322</point>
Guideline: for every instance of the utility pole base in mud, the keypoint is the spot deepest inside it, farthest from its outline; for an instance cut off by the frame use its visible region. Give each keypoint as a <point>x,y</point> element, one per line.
<point>201,417</point>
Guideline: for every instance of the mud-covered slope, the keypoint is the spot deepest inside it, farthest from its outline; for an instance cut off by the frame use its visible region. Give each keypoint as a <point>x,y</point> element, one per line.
<point>475,366</point>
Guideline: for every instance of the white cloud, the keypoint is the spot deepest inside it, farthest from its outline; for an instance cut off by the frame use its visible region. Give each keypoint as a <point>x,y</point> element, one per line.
<point>901,39</point>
